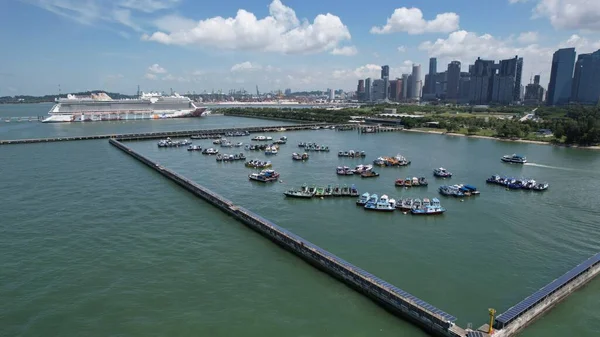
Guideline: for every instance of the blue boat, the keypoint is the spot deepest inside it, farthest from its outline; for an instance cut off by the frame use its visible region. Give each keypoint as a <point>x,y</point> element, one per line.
<point>451,191</point>
<point>429,208</point>
<point>363,199</point>
<point>384,204</point>
<point>469,190</point>
<point>372,201</point>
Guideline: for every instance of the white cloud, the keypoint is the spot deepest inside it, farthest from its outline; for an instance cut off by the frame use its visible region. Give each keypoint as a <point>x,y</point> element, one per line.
<point>156,69</point>
<point>345,51</point>
<point>174,23</point>
<point>245,66</point>
<point>123,16</point>
<point>150,76</point>
<point>411,21</point>
<point>401,49</point>
<point>528,37</point>
<point>570,14</point>
<point>148,6</point>
<point>371,70</point>
<point>281,31</point>
<point>84,12</point>
<point>581,44</point>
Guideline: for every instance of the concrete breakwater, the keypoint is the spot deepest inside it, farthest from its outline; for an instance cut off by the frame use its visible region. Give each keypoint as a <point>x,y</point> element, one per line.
<point>209,133</point>
<point>395,300</point>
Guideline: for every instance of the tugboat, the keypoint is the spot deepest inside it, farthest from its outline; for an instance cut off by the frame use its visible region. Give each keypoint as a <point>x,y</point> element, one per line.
<point>264,176</point>
<point>515,159</point>
<point>442,173</point>
<point>429,208</point>
<point>363,199</point>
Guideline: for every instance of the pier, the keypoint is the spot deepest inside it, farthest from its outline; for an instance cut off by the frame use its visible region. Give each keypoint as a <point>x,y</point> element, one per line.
<point>208,133</point>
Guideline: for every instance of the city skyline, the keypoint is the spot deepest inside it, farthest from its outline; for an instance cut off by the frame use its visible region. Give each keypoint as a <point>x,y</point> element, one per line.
<point>117,45</point>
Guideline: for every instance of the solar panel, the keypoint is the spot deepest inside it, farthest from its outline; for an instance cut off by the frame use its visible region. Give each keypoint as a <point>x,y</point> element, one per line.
<point>526,304</point>
<point>475,334</point>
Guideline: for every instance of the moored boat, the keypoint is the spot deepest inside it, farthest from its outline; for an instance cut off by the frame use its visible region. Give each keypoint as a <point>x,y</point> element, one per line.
<point>353,191</point>
<point>337,191</point>
<point>540,187</point>
<point>432,207</point>
<point>320,191</point>
<point>405,205</point>
<point>194,148</point>
<point>210,151</point>
<point>369,174</point>
<point>264,176</point>
<point>372,201</point>
<point>442,173</point>
<point>384,204</point>
<point>328,191</point>
<point>363,199</point>
<point>298,194</point>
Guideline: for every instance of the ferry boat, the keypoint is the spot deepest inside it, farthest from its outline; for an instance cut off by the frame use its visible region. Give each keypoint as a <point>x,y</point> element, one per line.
<point>101,107</point>
<point>264,176</point>
<point>363,199</point>
<point>384,204</point>
<point>515,159</point>
<point>442,173</point>
<point>432,207</point>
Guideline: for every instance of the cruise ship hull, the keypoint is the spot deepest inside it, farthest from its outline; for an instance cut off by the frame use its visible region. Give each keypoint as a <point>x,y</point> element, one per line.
<point>122,115</point>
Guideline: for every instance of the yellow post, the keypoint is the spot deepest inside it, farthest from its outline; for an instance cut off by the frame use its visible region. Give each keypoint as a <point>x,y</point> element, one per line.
<point>492,313</point>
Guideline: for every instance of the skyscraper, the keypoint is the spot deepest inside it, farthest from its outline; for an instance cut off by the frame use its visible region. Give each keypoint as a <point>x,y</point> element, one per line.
<point>586,86</point>
<point>507,82</point>
<point>480,87</point>
<point>385,76</point>
<point>534,93</point>
<point>431,80</point>
<point>405,86</point>
<point>379,91</point>
<point>331,94</point>
<point>416,82</point>
<point>360,90</point>
<point>368,89</point>
<point>561,77</point>
<point>453,80</point>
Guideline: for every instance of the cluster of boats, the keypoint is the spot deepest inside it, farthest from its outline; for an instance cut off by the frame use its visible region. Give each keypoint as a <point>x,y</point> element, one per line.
<point>173,143</point>
<point>210,151</point>
<point>514,158</point>
<point>410,182</point>
<point>223,142</point>
<point>517,184</point>
<point>230,157</point>
<point>264,176</point>
<point>313,147</point>
<point>442,173</point>
<point>262,138</point>
<point>228,134</point>
<point>258,164</point>
<point>237,134</point>
<point>373,202</point>
<point>320,191</point>
<point>398,160</point>
<point>365,171</point>
<point>458,190</point>
<point>301,157</point>
<point>352,154</point>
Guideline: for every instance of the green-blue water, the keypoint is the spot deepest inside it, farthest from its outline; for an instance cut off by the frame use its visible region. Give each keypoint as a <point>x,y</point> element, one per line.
<point>94,243</point>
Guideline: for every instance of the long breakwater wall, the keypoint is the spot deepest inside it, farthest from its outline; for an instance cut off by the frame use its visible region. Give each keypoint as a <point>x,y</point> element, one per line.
<point>395,300</point>
<point>162,134</point>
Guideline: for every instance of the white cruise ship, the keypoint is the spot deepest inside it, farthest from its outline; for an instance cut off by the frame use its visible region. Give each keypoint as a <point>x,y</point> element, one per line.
<point>101,107</point>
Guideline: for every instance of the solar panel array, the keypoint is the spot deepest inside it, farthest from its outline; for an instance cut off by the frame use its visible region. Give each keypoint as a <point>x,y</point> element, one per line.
<point>403,294</point>
<point>476,334</point>
<point>523,306</point>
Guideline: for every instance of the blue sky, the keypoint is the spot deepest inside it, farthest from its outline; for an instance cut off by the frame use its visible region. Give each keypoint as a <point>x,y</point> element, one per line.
<point>191,45</point>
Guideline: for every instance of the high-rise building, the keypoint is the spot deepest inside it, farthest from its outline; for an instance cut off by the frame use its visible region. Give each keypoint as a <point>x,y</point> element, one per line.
<point>360,90</point>
<point>405,85</point>
<point>453,80</point>
<point>534,93</point>
<point>480,88</point>
<point>397,93</point>
<point>385,76</point>
<point>288,92</point>
<point>561,77</point>
<point>331,94</point>
<point>586,83</point>
<point>506,87</point>
<point>368,90</point>
<point>378,92</point>
<point>464,88</point>
<point>430,81</point>
<point>416,82</point>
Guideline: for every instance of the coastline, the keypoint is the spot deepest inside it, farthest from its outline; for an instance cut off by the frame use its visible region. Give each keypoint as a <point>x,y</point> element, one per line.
<point>503,139</point>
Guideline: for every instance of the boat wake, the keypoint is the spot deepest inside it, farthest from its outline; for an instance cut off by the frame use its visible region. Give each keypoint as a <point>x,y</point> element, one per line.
<point>557,168</point>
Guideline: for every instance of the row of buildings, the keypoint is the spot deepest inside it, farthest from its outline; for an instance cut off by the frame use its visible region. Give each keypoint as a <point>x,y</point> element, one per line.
<point>490,82</point>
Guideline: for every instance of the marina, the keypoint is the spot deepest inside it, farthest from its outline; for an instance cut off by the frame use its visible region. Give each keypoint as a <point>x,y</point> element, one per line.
<point>408,231</point>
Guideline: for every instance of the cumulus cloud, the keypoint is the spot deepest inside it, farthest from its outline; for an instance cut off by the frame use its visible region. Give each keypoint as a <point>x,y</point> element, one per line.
<point>281,31</point>
<point>570,14</point>
<point>150,76</point>
<point>345,51</point>
<point>401,49</point>
<point>528,37</point>
<point>156,69</point>
<point>371,70</point>
<point>245,66</point>
<point>581,44</point>
<point>411,21</point>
